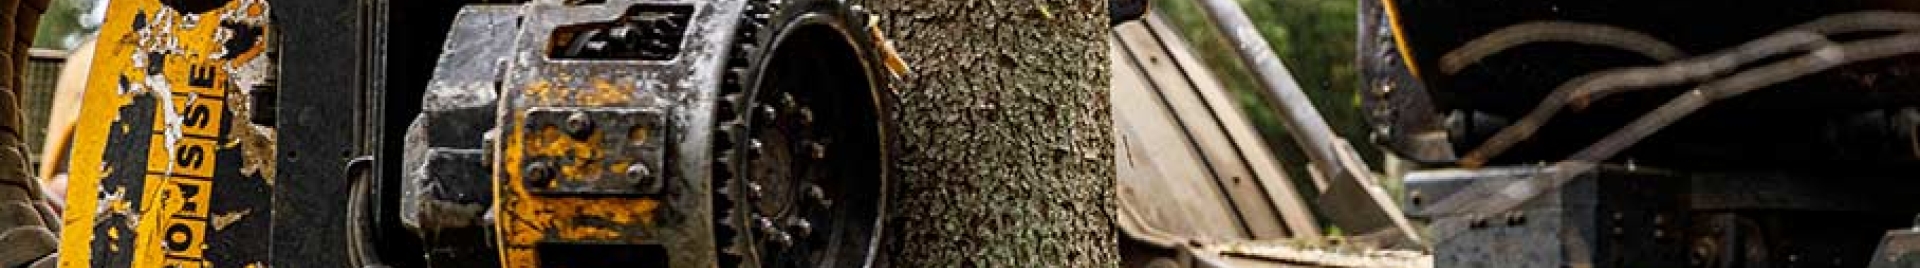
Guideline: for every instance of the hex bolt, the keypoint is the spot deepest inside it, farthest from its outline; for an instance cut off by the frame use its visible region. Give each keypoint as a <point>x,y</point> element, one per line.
<point>754,146</point>
<point>1415,197</point>
<point>579,125</point>
<point>768,113</point>
<point>817,150</point>
<point>806,116</point>
<point>644,179</point>
<point>799,226</point>
<point>819,196</point>
<point>765,225</point>
<point>753,191</point>
<point>781,239</point>
<point>540,175</point>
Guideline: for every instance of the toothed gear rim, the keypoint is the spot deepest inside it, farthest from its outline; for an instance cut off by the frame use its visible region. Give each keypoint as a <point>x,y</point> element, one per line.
<point>799,164</point>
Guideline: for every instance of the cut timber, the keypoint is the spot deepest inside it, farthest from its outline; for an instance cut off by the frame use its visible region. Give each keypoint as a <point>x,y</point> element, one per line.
<point>1186,153</point>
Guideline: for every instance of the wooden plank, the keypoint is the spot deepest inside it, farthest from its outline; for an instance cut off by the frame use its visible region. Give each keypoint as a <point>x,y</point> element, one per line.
<point>1193,114</point>
<point>1254,150</point>
<point>1157,166</point>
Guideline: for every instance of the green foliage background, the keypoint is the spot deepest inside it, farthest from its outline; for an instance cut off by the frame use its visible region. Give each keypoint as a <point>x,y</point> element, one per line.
<point>1315,38</point>
<point>61,22</point>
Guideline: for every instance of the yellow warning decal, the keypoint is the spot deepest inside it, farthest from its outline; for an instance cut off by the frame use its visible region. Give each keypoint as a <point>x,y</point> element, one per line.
<point>180,67</point>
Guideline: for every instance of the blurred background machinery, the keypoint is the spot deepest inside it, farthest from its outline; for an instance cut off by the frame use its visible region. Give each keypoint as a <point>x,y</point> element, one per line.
<point>1665,134</point>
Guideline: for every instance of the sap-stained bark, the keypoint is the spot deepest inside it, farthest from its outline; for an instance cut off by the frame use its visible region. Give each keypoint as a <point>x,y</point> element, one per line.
<point>1006,152</point>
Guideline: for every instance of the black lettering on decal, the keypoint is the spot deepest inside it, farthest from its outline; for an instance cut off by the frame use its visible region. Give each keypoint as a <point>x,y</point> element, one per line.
<point>190,156</point>
<point>201,76</point>
<point>187,194</point>
<point>198,116</point>
<point>179,237</point>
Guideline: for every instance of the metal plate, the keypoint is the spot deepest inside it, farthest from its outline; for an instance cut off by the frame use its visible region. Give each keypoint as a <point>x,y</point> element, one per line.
<point>594,151</point>
<point>678,91</point>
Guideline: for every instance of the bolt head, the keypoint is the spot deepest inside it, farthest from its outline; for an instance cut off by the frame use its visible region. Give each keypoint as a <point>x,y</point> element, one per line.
<point>806,116</point>
<point>754,146</point>
<point>644,179</point>
<point>816,194</point>
<point>754,191</point>
<point>579,125</point>
<point>768,113</point>
<point>539,174</point>
<point>765,225</point>
<point>781,239</point>
<point>800,226</point>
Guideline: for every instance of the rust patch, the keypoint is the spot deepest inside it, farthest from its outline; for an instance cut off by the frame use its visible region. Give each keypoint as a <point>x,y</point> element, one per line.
<point>533,219</point>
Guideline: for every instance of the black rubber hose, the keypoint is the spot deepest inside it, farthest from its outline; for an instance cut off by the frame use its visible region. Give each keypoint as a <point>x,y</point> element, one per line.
<point>1585,89</point>
<point>1488,197</point>
<point>1557,31</point>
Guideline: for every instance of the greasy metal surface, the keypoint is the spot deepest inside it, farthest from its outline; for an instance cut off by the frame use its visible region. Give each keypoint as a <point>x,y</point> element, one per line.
<point>459,104</point>
<point>158,175</point>
<point>677,221</point>
<point>446,189</point>
<point>648,32</point>
<point>467,74</point>
<point>1899,249</point>
<point>1630,217</point>
<point>1401,112</point>
<point>323,54</point>
<point>451,209</point>
<point>1490,241</point>
<point>593,151</point>
<point>1225,183</point>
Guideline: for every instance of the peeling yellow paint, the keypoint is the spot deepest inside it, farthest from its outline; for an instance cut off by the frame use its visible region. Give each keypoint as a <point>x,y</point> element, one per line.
<point>181,62</point>
<point>527,219</point>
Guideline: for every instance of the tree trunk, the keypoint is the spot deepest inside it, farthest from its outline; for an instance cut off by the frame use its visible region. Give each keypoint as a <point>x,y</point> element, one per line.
<point>1006,137</point>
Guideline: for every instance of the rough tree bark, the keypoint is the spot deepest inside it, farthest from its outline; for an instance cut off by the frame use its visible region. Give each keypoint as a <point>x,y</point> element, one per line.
<point>1006,135</point>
